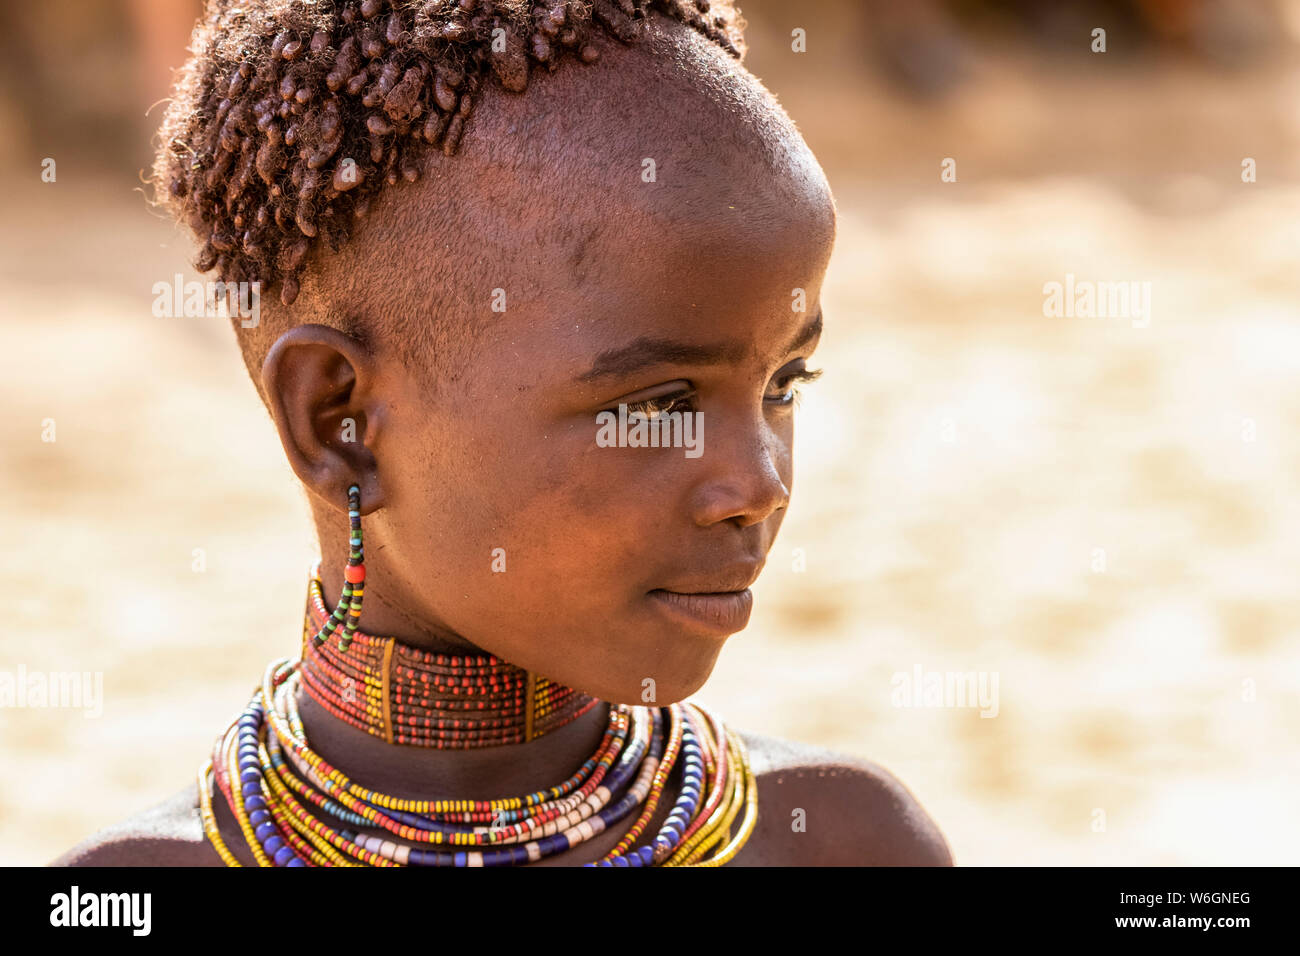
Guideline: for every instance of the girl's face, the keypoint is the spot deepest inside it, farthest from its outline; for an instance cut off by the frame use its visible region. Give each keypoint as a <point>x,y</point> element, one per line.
<point>513,515</point>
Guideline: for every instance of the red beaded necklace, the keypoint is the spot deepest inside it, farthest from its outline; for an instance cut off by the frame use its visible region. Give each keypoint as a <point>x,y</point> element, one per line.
<point>410,696</point>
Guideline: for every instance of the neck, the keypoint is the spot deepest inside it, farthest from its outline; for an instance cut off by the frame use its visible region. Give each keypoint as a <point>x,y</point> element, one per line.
<point>398,717</point>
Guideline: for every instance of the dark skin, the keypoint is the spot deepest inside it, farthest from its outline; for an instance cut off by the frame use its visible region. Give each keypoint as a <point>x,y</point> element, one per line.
<point>686,305</point>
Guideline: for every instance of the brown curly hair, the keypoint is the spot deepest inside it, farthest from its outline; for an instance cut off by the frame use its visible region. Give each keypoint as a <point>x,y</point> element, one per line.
<point>291,115</point>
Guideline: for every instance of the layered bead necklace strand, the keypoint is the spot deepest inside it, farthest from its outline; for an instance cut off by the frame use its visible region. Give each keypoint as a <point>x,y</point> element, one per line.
<point>281,792</point>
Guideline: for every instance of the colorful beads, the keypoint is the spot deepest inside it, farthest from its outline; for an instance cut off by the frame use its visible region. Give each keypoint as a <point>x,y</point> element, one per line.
<point>419,698</point>
<point>348,610</point>
<point>269,776</point>
<point>294,809</point>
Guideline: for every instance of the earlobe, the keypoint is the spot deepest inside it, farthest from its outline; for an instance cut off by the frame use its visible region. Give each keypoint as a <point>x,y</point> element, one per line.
<point>322,388</point>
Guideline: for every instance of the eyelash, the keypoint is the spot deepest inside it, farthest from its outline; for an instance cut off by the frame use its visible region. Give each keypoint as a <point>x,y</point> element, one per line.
<point>664,404</point>
<point>794,383</point>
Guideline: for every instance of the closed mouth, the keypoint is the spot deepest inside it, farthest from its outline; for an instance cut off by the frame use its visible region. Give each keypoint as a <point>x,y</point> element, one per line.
<point>718,612</point>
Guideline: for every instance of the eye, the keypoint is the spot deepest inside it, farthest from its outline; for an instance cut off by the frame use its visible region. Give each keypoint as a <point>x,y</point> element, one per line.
<point>652,408</point>
<point>787,383</point>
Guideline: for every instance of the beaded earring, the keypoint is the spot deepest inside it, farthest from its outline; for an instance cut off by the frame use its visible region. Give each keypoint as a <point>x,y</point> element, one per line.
<point>349,605</point>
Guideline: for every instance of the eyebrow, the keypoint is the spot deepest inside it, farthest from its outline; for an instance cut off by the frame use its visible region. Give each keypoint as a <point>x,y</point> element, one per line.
<point>647,352</point>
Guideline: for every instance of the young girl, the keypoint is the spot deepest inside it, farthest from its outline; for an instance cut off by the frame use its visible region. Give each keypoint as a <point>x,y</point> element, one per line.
<point>547,280</point>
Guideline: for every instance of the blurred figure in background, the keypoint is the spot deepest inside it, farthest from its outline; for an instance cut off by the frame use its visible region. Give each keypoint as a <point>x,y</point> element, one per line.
<point>925,47</point>
<point>73,73</point>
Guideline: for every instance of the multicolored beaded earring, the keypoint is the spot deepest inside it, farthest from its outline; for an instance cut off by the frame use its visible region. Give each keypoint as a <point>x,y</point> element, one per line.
<point>349,605</point>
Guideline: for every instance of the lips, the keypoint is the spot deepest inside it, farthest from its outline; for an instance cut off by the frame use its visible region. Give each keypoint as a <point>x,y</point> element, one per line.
<point>716,612</point>
<point>714,601</point>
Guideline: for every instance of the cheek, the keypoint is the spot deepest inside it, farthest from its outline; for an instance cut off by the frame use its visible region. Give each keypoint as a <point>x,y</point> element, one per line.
<point>572,528</point>
<point>548,510</point>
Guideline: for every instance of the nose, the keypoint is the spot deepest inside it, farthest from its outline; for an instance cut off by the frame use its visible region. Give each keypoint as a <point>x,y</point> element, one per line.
<point>746,474</point>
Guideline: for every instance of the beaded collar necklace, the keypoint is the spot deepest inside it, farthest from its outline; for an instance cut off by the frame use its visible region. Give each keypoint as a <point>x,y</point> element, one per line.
<point>409,696</point>
<point>295,809</point>
<point>268,775</point>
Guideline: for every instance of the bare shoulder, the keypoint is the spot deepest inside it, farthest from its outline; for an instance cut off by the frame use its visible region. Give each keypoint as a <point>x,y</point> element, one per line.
<point>817,807</point>
<point>167,834</point>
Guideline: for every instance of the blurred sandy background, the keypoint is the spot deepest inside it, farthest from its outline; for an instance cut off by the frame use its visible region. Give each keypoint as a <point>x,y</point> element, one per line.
<point>958,465</point>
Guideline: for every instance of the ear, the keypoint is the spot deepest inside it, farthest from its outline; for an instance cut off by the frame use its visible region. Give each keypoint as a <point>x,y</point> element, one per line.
<point>323,391</point>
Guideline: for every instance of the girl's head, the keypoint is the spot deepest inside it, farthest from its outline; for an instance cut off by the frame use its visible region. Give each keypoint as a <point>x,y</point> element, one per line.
<point>643,228</point>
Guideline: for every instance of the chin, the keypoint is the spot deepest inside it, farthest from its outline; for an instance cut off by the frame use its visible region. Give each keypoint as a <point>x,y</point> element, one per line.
<point>679,666</point>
